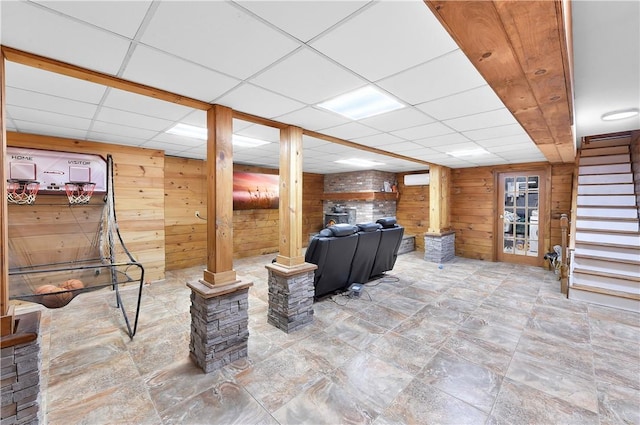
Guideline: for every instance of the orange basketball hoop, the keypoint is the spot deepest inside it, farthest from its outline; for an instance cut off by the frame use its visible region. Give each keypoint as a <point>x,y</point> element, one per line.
<point>79,192</point>
<point>22,192</point>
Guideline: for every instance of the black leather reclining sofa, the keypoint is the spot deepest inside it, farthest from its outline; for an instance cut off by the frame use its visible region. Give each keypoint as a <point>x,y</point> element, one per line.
<point>347,253</point>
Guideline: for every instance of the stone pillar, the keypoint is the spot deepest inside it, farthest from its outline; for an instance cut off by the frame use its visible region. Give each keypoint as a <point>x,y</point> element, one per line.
<point>439,247</point>
<point>21,372</point>
<point>219,324</point>
<point>291,296</point>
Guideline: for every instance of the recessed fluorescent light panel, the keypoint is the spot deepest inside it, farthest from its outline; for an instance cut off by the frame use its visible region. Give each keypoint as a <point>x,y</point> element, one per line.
<point>201,133</point>
<point>620,115</point>
<point>362,103</point>
<point>357,162</point>
<point>247,142</point>
<point>188,131</point>
<point>465,153</point>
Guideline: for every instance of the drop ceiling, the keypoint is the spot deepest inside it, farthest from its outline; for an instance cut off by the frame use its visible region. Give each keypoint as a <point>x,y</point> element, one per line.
<point>278,60</point>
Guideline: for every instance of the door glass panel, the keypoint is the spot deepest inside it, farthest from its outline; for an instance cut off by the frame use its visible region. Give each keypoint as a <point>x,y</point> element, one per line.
<point>521,215</point>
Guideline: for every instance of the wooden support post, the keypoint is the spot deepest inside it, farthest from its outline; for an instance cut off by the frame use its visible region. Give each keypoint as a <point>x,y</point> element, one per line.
<point>4,239</point>
<point>439,199</point>
<point>564,265</point>
<point>290,244</point>
<point>219,197</point>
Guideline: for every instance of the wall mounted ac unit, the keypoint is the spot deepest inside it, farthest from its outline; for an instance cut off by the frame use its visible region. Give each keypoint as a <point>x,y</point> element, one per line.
<point>416,179</point>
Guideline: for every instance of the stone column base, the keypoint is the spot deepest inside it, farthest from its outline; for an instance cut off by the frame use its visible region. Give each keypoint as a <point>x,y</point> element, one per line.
<point>21,372</point>
<point>219,324</point>
<point>290,296</point>
<point>439,247</point>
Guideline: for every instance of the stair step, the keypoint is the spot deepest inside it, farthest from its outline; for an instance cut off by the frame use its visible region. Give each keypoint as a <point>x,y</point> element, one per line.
<point>622,252</point>
<point>624,225</point>
<point>605,291</point>
<point>606,189</point>
<point>607,280</point>
<point>607,200</point>
<point>626,270</point>
<point>605,178</point>
<point>612,238</point>
<point>604,169</point>
<point>609,150</point>
<point>603,297</point>
<point>605,159</point>
<point>623,140</point>
<point>619,212</point>
<point>633,261</point>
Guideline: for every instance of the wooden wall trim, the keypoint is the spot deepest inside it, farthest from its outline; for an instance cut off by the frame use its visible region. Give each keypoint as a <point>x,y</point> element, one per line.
<point>4,241</point>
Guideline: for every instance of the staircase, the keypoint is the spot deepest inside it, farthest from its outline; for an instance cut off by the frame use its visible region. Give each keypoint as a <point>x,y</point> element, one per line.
<point>605,263</point>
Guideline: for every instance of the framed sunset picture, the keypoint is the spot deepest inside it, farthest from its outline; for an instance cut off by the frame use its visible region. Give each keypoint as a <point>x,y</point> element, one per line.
<point>255,191</point>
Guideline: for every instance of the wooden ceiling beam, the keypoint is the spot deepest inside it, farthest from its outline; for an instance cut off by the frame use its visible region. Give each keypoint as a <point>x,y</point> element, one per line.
<point>520,49</point>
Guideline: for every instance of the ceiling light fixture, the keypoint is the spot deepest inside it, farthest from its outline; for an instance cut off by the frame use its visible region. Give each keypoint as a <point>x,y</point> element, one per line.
<point>247,142</point>
<point>194,132</point>
<point>357,162</point>
<point>468,152</point>
<point>620,115</point>
<point>188,131</point>
<point>362,103</point>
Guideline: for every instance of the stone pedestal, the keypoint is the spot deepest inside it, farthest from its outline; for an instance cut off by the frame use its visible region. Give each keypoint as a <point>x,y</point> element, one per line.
<point>439,247</point>
<point>219,324</point>
<point>21,372</point>
<point>290,296</point>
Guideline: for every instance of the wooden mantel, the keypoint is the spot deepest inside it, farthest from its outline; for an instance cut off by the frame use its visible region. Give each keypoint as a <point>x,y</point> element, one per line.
<point>360,196</point>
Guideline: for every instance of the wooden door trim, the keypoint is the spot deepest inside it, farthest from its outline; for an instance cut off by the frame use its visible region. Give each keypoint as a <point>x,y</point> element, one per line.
<point>544,223</point>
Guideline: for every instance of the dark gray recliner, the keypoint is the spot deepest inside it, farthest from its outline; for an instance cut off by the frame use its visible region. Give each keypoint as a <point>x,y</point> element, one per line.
<point>332,251</point>
<point>365,254</point>
<point>390,240</point>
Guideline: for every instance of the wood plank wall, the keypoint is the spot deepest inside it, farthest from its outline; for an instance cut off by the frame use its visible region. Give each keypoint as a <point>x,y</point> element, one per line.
<point>412,210</point>
<point>255,232</point>
<point>472,207</point>
<point>139,195</point>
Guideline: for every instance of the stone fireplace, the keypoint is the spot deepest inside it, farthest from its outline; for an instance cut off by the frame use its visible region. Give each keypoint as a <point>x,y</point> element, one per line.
<point>360,194</point>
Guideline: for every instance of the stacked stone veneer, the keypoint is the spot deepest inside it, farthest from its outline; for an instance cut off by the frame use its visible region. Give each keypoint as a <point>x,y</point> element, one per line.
<point>21,380</point>
<point>360,181</point>
<point>290,299</point>
<point>219,329</point>
<point>439,247</point>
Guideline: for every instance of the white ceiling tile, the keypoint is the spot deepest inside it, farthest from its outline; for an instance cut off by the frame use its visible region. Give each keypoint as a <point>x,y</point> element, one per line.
<point>159,69</point>
<point>311,118</point>
<point>495,118</point>
<point>172,139</point>
<point>258,101</point>
<point>395,120</point>
<point>378,140</point>
<point>121,17</point>
<point>456,147</point>
<point>44,102</point>
<point>217,35</point>
<point>446,139</point>
<point>423,131</point>
<point>303,19</point>
<point>350,131</point>
<point>401,147</point>
<point>495,132</point>
<point>173,147</point>
<point>28,26</point>
<point>308,77</point>
<point>386,38</point>
<point>443,76</point>
<point>50,118</point>
<point>262,132</point>
<point>127,101</point>
<point>36,80</point>
<point>122,132</point>
<point>130,119</point>
<point>49,130</point>
<point>480,99</point>
<point>518,140</point>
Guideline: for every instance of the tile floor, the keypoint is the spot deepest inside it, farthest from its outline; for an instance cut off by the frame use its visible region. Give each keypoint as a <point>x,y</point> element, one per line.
<point>471,343</point>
